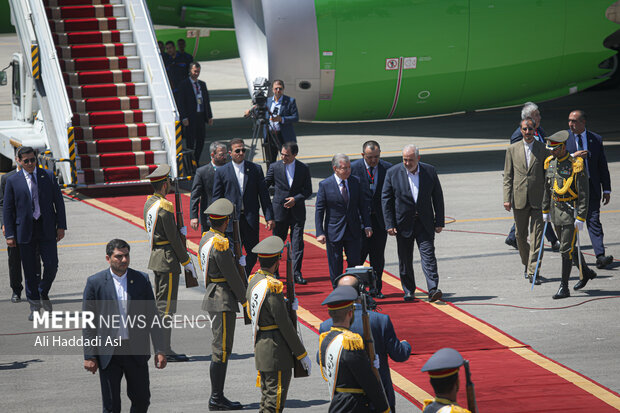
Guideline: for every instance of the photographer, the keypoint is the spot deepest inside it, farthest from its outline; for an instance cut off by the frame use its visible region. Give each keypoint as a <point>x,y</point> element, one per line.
<point>386,341</point>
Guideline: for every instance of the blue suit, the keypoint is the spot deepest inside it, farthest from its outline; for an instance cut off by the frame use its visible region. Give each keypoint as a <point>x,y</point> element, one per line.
<point>225,185</point>
<point>340,221</point>
<point>288,112</point>
<point>375,245</point>
<point>386,344</point>
<point>101,299</point>
<point>414,221</point>
<point>35,235</point>
<point>600,180</point>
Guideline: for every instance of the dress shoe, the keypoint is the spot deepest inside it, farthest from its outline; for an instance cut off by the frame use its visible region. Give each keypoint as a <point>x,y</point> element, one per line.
<point>46,303</point>
<point>222,403</point>
<point>299,279</point>
<point>173,357</point>
<point>588,275</point>
<point>512,242</point>
<point>15,298</point>
<point>434,295</point>
<point>31,316</point>
<point>563,292</point>
<point>409,297</point>
<point>537,282</point>
<point>379,295</point>
<point>556,246</point>
<point>527,277</point>
<point>603,261</point>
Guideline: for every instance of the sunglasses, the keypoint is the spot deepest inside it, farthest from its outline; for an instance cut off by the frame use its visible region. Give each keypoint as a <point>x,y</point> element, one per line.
<point>29,160</point>
<point>527,128</point>
<point>242,150</point>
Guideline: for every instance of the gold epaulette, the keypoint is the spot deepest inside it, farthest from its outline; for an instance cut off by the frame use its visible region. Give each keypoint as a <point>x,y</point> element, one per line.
<point>167,205</point>
<point>578,164</point>
<point>322,337</point>
<point>352,341</point>
<point>275,286</point>
<point>427,402</point>
<point>549,158</point>
<point>220,243</point>
<point>458,409</point>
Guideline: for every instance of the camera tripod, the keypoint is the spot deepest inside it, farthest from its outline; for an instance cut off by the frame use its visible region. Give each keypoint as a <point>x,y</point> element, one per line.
<point>270,143</point>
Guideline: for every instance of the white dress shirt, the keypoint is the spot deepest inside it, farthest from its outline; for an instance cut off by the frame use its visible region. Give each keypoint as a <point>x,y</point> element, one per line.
<point>289,170</point>
<point>240,173</point>
<point>338,181</point>
<point>584,141</point>
<point>198,92</point>
<point>414,183</point>
<point>276,104</point>
<point>120,285</point>
<point>528,152</point>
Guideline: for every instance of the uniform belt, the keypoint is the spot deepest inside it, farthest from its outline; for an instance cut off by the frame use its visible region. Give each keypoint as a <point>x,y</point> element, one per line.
<point>569,198</point>
<point>217,280</point>
<point>268,328</point>
<point>349,390</point>
<point>162,243</point>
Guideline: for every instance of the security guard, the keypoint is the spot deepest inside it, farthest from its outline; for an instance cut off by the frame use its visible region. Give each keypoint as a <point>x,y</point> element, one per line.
<point>167,251</point>
<point>344,364</point>
<point>443,368</point>
<point>275,340</point>
<point>225,288</point>
<point>566,184</point>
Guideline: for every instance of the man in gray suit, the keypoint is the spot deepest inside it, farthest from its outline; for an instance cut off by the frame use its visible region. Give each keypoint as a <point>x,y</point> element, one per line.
<point>524,179</point>
<point>202,186</point>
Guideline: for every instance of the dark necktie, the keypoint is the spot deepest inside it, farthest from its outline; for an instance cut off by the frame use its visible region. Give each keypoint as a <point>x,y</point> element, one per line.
<point>579,142</point>
<point>344,192</point>
<point>36,211</point>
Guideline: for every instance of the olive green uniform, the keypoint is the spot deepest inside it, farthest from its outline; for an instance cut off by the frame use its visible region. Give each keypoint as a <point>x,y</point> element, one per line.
<point>276,344</point>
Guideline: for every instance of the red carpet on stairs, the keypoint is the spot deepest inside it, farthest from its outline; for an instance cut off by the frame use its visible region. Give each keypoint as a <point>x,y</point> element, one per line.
<point>509,376</point>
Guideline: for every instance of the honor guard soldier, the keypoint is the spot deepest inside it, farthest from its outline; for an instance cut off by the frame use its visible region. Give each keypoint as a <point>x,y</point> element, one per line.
<point>167,252</point>
<point>276,342</point>
<point>565,204</point>
<point>344,364</point>
<point>443,368</point>
<point>225,288</point>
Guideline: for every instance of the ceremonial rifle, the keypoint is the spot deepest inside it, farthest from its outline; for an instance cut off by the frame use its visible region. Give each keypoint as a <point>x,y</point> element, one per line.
<point>471,394</point>
<point>369,344</point>
<point>190,281</point>
<point>298,369</point>
<point>237,253</point>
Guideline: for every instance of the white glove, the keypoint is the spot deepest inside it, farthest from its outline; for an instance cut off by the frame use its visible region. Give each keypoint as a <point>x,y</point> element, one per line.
<point>183,231</point>
<point>546,218</point>
<point>579,225</point>
<point>306,364</point>
<point>376,362</point>
<point>242,260</point>
<point>295,304</point>
<point>190,267</point>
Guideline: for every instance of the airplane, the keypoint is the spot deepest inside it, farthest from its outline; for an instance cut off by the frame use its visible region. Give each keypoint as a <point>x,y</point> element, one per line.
<point>369,60</point>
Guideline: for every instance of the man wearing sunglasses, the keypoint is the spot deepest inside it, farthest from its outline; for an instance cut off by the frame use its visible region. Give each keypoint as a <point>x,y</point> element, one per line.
<point>243,183</point>
<point>283,111</point>
<point>34,220</point>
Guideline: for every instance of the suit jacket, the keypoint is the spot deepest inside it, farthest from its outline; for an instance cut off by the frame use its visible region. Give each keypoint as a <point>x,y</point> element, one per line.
<point>358,168</point>
<point>399,208</point>
<point>288,112</point>
<point>301,189</point>
<point>100,298</point>
<point>333,216</point>
<point>386,343</point>
<point>3,180</point>
<point>598,170</point>
<point>517,136</point>
<point>18,220</point>
<point>524,186</point>
<point>202,192</point>
<point>226,186</point>
<point>186,99</point>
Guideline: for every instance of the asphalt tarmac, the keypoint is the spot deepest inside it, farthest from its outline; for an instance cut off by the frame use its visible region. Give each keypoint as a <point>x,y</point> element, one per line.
<point>478,272</point>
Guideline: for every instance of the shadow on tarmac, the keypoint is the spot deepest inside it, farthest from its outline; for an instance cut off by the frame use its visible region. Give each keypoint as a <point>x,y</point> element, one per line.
<point>233,356</point>
<point>17,365</point>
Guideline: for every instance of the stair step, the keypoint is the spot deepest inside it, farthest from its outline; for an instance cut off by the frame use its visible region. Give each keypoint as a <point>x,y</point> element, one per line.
<point>115,174</point>
<point>100,63</point>
<point>113,103</point>
<point>96,36</point>
<point>131,130</point>
<point>62,3</point>
<point>97,50</point>
<point>120,145</point>
<point>107,90</point>
<point>102,23</point>
<point>113,117</point>
<point>103,77</point>
<point>83,12</point>
<point>109,160</point>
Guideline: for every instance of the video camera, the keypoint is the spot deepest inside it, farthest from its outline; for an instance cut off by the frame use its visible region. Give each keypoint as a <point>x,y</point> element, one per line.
<point>259,96</point>
<point>366,282</point>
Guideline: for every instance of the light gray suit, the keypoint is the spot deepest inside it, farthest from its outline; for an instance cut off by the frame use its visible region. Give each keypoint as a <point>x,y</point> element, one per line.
<point>524,188</point>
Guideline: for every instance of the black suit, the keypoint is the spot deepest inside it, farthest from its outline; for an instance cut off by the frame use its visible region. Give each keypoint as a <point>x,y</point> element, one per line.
<point>295,217</point>
<point>202,192</point>
<point>131,358</point>
<point>15,265</point>
<point>375,245</point>
<point>187,101</point>
<point>415,221</point>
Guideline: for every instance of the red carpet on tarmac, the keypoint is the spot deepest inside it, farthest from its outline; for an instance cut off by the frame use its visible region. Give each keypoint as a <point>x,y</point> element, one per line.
<point>509,376</point>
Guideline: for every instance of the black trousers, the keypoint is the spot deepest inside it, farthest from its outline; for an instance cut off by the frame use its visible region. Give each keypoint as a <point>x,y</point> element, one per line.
<point>374,247</point>
<point>297,239</point>
<point>195,134</point>
<point>426,247</point>
<point>249,239</point>
<point>352,246</point>
<point>15,270</point>
<point>136,372</point>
